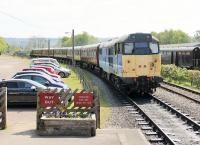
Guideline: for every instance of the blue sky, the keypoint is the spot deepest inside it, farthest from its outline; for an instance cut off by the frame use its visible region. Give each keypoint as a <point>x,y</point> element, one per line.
<point>102,18</point>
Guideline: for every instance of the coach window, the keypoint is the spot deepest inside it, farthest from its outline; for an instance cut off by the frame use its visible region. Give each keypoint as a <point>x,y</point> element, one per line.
<point>128,48</point>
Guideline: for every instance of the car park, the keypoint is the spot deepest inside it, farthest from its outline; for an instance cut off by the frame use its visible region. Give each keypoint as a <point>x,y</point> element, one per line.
<point>63,72</point>
<point>42,79</point>
<point>37,72</point>
<point>21,90</point>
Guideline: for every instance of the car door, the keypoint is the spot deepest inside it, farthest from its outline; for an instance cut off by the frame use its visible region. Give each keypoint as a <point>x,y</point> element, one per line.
<point>13,91</point>
<point>28,95</point>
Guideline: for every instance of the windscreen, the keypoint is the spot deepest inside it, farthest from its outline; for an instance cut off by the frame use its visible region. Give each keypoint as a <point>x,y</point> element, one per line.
<point>141,48</point>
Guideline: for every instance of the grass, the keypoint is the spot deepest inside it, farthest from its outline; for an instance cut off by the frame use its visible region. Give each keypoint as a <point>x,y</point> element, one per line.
<point>183,84</point>
<point>105,110</point>
<point>73,82</point>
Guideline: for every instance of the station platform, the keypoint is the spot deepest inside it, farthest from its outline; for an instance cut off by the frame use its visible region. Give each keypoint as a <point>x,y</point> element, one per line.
<point>103,137</point>
<point>21,131</point>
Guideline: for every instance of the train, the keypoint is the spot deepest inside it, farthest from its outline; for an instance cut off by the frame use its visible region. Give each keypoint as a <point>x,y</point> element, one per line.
<point>132,62</point>
<point>186,55</point>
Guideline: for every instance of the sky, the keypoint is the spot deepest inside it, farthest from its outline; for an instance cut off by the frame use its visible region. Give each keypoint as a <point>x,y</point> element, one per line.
<point>101,18</point>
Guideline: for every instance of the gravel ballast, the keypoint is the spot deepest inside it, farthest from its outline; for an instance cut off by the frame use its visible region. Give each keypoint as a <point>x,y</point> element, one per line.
<point>119,117</point>
<point>186,106</point>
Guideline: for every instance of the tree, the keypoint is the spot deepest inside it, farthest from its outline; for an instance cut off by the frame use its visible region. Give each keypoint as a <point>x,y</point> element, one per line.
<point>3,45</point>
<point>196,37</point>
<point>172,37</point>
<point>80,39</point>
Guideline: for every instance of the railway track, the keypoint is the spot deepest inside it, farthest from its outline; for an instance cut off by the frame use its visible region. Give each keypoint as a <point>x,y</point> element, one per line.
<point>182,91</point>
<point>161,122</point>
<point>148,116</point>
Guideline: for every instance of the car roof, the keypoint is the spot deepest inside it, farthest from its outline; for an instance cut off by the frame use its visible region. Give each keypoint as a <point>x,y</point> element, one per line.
<point>25,80</point>
<point>32,74</point>
<point>41,66</point>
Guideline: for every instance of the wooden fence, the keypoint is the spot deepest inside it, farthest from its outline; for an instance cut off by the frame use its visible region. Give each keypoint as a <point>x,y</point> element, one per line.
<point>65,115</point>
<point>3,107</point>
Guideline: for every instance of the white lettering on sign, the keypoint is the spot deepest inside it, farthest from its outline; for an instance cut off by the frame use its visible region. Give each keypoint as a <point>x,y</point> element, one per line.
<point>49,102</point>
<point>49,97</point>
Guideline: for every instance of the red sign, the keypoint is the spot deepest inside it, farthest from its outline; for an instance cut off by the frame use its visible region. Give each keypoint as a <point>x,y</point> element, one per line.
<point>83,99</point>
<point>48,99</point>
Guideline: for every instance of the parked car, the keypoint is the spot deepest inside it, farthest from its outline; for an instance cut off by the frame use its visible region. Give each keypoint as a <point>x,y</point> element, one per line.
<point>44,80</point>
<point>45,59</point>
<point>49,69</point>
<point>42,70</point>
<point>21,90</point>
<point>63,72</point>
<point>37,72</point>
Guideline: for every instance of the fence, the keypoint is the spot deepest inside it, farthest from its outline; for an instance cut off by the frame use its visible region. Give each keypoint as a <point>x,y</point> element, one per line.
<point>67,113</point>
<point>3,107</point>
<point>89,85</point>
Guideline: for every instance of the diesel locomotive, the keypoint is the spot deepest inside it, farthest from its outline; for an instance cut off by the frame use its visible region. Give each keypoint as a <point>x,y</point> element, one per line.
<point>132,63</point>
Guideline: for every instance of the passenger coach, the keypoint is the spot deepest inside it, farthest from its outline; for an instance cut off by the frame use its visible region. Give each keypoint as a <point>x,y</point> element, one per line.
<point>182,55</point>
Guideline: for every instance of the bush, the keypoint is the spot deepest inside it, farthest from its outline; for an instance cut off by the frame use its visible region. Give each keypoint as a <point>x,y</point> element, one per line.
<point>180,75</point>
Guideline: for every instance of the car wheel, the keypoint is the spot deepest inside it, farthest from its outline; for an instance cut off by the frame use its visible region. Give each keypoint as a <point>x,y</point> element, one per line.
<point>61,74</point>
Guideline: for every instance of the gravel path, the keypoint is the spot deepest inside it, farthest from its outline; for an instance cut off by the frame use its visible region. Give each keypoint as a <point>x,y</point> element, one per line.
<point>13,65</point>
<point>119,118</point>
<point>185,105</point>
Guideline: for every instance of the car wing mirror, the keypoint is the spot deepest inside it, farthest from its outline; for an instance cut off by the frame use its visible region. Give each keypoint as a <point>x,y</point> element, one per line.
<point>47,83</point>
<point>34,88</point>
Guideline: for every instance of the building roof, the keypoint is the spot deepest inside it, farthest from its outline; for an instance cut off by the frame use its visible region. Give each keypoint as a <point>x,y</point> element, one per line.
<point>179,47</point>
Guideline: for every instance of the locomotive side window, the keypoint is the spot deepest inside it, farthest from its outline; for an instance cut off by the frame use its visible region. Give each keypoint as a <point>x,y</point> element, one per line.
<point>154,47</point>
<point>100,51</point>
<point>128,48</point>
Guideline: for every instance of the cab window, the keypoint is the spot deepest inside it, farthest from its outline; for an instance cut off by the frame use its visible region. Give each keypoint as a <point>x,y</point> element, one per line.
<point>128,48</point>
<point>154,47</point>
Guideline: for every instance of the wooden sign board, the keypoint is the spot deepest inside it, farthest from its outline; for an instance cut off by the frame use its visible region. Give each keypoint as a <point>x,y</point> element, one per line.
<point>49,99</point>
<point>83,99</point>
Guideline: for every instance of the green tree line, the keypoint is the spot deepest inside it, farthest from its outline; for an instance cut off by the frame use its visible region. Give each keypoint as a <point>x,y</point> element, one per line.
<point>80,39</point>
<point>176,36</point>
<point>3,45</point>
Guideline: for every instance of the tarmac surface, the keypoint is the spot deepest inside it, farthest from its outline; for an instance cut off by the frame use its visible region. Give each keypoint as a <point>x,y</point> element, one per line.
<point>21,123</point>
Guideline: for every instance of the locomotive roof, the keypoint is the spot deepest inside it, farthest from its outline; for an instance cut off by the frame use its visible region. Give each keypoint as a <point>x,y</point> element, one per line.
<point>122,39</point>
<point>180,47</point>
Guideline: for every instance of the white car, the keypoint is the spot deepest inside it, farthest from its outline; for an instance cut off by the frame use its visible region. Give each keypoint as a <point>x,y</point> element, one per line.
<point>44,60</point>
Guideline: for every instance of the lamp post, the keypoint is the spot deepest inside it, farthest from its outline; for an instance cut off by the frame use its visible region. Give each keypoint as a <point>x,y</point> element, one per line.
<point>73,43</point>
<point>48,47</point>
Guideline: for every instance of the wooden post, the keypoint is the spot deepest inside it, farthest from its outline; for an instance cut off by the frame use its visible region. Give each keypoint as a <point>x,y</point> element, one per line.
<point>3,107</point>
<point>97,106</point>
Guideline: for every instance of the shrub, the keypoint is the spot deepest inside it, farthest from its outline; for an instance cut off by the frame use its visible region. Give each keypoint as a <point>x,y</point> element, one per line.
<point>180,75</point>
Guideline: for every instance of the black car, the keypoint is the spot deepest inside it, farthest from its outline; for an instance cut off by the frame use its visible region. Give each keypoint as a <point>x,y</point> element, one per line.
<point>21,90</point>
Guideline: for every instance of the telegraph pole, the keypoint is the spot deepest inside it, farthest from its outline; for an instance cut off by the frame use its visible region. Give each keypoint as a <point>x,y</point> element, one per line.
<point>73,62</point>
<point>48,47</point>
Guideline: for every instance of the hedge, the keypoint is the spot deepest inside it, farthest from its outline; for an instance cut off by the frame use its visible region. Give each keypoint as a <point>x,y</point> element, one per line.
<point>179,75</point>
